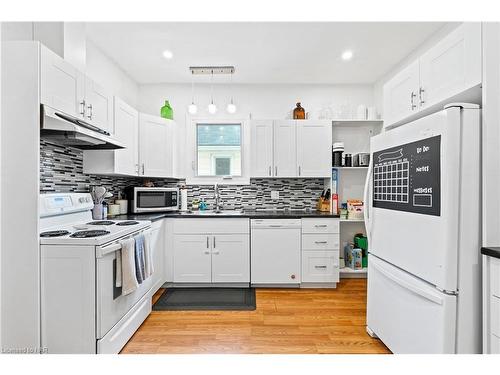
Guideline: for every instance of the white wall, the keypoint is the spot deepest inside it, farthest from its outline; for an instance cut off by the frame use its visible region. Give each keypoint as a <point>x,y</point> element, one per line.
<point>108,74</point>
<point>425,46</point>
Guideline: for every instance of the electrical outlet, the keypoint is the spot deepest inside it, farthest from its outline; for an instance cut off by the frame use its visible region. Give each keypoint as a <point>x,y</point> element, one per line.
<point>275,194</point>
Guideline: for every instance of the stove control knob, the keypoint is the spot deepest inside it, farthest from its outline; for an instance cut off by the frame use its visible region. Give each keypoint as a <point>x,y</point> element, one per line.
<point>81,200</point>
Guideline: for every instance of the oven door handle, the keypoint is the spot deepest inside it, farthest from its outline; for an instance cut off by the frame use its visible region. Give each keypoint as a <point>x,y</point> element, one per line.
<point>111,248</point>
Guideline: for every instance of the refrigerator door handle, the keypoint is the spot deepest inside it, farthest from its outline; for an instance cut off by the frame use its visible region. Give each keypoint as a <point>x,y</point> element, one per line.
<point>366,197</point>
<point>413,288</point>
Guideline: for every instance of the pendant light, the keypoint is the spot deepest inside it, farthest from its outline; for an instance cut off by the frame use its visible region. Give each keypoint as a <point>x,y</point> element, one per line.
<point>212,108</point>
<point>231,108</point>
<point>192,108</point>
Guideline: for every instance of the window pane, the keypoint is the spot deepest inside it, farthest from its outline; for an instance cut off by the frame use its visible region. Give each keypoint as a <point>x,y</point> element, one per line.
<point>218,149</point>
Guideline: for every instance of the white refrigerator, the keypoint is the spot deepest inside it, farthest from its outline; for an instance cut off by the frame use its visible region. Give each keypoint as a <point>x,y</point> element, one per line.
<point>423,194</point>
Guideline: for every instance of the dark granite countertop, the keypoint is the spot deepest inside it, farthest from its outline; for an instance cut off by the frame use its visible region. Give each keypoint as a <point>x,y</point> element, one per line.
<point>290,214</point>
<point>491,251</point>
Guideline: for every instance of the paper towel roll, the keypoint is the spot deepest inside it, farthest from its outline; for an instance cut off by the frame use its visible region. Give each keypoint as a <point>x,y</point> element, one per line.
<point>184,199</point>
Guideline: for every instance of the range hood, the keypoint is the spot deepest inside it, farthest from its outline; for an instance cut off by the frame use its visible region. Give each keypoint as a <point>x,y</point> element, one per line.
<point>71,131</point>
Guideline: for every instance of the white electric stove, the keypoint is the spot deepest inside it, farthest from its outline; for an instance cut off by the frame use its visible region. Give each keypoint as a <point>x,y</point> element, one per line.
<point>82,309</point>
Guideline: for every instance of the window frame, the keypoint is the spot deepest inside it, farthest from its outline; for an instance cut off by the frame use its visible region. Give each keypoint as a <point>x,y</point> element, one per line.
<point>192,147</point>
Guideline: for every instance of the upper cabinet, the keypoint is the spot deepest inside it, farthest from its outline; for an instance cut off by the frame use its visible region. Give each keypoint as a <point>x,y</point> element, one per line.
<point>155,146</point>
<point>291,148</point>
<point>62,85</point>
<point>314,148</point>
<point>98,106</point>
<point>68,90</point>
<point>285,149</point>
<point>400,94</point>
<point>261,148</point>
<point>449,68</point>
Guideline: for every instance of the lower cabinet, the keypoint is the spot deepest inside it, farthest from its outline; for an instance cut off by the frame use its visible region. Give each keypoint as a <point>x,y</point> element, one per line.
<point>211,257</point>
<point>320,251</point>
<point>491,305</point>
<point>320,266</point>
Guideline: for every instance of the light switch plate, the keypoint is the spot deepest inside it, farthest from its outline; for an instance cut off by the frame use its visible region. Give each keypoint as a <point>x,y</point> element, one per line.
<point>275,194</point>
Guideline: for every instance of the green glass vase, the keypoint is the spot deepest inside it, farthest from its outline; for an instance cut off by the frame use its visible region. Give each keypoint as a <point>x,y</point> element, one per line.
<point>167,111</point>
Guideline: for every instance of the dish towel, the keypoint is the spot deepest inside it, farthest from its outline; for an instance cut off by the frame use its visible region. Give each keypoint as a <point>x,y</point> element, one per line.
<point>140,271</point>
<point>129,280</point>
<point>148,254</point>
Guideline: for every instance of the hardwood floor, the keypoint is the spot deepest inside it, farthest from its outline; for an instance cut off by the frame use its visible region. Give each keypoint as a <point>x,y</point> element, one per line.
<point>285,321</point>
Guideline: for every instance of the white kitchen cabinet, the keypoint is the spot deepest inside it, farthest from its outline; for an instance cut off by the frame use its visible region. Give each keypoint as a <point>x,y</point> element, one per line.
<point>62,85</point>
<point>155,146</point>
<point>452,65</point>
<point>262,148</point>
<point>211,250</point>
<point>446,72</point>
<point>122,161</point>
<point>230,258</point>
<point>192,258</point>
<point>285,148</point>
<point>320,266</point>
<point>314,148</point>
<point>98,106</point>
<point>401,94</point>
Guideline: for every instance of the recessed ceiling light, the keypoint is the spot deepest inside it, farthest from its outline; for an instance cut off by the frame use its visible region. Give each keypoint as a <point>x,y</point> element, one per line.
<point>168,54</point>
<point>347,55</point>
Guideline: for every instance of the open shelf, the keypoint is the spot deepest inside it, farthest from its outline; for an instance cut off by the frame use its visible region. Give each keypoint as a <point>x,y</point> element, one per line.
<point>347,272</point>
<point>352,221</point>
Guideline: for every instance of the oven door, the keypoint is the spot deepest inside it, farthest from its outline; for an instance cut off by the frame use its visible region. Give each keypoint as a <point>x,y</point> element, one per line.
<point>154,199</point>
<point>111,305</point>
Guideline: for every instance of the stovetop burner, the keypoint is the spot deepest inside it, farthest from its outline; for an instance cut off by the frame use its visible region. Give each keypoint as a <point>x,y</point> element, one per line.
<point>54,233</point>
<point>101,222</point>
<point>128,222</point>
<point>89,233</point>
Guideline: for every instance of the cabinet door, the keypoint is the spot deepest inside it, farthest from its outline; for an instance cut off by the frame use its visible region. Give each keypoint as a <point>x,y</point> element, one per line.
<point>314,145</point>
<point>126,126</point>
<point>192,258</point>
<point>285,148</point>
<point>401,94</point>
<point>155,146</point>
<point>451,66</point>
<point>99,106</point>
<point>230,258</point>
<point>320,266</point>
<point>62,85</point>
<point>262,148</point>
<point>158,253</point>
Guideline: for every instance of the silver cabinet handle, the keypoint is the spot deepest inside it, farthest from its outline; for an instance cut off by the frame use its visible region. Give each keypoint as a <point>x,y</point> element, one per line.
<point>275,226</point>
<point>413,96</point>
<point>421,95</point>
<point>142,168</point>
<point>208,243</point>
<point>216,252</point>
<point>90,108</point>
<point>320,242</point>
<point>321,225</point>
<point>276,171</point>
<point>320,267</point>
<point>214,242</point>
<point>299,170</point>
<point>269,170</point>
<point>137,168</point>
<point>82,107</point>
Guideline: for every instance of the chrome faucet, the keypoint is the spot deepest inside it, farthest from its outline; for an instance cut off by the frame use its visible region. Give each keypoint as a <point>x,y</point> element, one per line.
<point>217,198</point>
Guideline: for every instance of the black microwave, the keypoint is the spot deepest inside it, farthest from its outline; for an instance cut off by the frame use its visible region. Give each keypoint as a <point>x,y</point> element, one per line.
<point>152,199</point>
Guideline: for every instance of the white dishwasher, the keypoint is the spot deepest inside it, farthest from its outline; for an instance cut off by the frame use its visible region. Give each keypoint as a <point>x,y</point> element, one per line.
<point>275,247</point>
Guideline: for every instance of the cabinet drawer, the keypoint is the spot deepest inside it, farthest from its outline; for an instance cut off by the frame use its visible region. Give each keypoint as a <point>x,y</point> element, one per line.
<point>495,315</point>
<point>211,226</point>
<point>320,225</point>
<point>495,276</point>
<point>320,242</point>
<point>320,266</point>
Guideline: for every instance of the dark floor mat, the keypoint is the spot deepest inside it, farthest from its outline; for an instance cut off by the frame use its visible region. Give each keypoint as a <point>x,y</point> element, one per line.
<point>206,299</point>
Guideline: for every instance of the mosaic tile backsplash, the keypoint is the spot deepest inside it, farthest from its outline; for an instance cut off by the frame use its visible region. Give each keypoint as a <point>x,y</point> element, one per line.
<point>61,170</point>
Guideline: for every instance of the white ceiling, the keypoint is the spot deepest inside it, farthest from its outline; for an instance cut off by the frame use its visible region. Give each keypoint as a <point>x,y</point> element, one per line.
<point>261,52</point>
